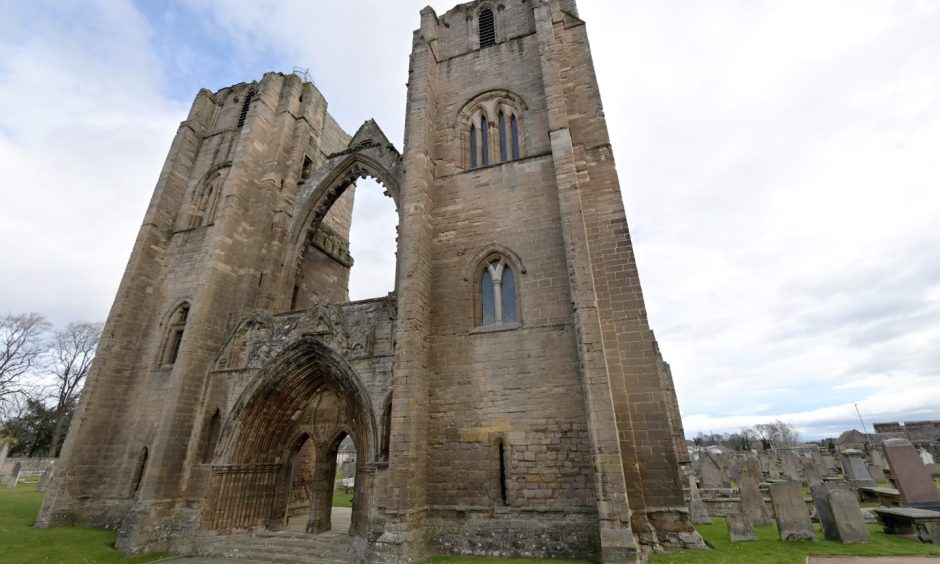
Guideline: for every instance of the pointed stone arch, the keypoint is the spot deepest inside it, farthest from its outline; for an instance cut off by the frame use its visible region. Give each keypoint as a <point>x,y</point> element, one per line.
<point>249,483</point>
<point>369,154</point>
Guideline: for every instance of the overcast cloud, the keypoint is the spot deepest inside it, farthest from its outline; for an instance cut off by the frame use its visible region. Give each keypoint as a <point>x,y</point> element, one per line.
<point>780,163</point>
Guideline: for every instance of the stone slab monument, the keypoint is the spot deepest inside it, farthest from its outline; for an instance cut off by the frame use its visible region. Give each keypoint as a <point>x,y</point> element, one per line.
<point>790,512</point>
<point>910,475</point>
<point>740,528</point>
<point>855,469</point>
<point>45,478</point>
<point>839,513</point>
<point>752,500</point>
<point>14,475</point>
<point>697,506</point>
<point>813,473</point>
<point>516,321</point>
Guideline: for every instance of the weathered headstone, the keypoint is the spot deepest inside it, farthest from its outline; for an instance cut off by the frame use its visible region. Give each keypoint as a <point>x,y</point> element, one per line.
<point>752,501</point>
<point>790,463</point>
<point>910,475</point>
<point>877,458</point>
<point>855,469</point>
<point>739,527</point>
<point>925,456</point>
<point>817,457</point>
<point>44,479</point>
<point>711,472</point>
<point>4,450</point>
<point>839,513</point>
<point>14,475</point>
<point>813,474</point>
<point>790,511</point>
<point>696,505</point>
<point>829,462</point>
<point>877,473</point>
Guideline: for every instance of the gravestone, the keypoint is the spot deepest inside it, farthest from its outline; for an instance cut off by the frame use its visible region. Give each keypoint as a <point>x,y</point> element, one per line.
<point>696,505</point>
<point>44,479</point>
<point>839,513</point>
<point>877,458</point>
<point>4,450</point>
<point>855,469</point>
<point>739,527</point>
<point>925,456</point>
<point>910,475</point>
<point>813,474</point>
<point>14,475</point>
<point>752,501</point>
<point>790,512</point>
<point>877,473</point>
<point>791,469</point>
<point>829,462</point>
<point>817,457</point>
<point>712,474</point>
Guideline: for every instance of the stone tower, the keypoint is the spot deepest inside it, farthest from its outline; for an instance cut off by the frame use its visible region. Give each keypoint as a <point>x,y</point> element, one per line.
<point>507,398</point>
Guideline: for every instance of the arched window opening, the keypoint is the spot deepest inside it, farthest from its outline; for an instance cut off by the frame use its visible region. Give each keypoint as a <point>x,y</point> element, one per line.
<point>139,470</point>
<point>373,242</point>
<point>473,146</point>
<point>306,170</point>
<point>211,437</point>
<point>206,201</point>
<point>174,335</point>
<point>514,125</point>
<point>245,107</point>
<point>487,21</point>
<point>484,142</point>
<point>502,137</point>
<point>498,294</point>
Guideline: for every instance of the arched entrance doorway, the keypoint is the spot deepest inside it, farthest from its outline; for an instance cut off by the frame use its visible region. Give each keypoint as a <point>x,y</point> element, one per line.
<point>284,433</point>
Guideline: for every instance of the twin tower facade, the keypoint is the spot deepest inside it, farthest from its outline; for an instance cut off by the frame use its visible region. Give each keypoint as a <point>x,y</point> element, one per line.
<point>508,398</point>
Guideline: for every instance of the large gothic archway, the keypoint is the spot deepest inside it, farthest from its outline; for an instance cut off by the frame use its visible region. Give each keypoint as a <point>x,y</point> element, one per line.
<point>369,154</point>
<point>308,393</point>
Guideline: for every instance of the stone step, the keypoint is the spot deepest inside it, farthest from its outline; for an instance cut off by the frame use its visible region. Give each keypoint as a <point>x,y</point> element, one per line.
<point>327,548</point>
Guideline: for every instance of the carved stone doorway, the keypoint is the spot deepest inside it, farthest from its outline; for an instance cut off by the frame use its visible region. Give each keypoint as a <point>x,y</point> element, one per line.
<point>279,450</point>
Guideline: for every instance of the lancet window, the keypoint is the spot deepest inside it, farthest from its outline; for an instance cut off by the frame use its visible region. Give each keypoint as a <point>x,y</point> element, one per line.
<point>491,127</point>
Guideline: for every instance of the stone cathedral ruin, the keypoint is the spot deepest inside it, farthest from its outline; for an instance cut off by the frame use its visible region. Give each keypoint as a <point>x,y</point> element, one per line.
<point>507,398</point>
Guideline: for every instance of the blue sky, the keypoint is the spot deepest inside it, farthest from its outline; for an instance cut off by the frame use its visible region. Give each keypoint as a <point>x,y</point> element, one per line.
<point>778,162</point>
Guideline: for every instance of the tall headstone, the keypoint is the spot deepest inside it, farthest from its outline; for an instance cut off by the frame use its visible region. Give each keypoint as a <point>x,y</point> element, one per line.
<point>813,474</point>
<point>14,475</point>
<point>877,473</point>
<point>790,512</point>
<point>712,473</point>
<point>45,478</point>
<point>877,458</point>
<point>4,450</point>
<point>910,475</point>
<point>696,505</point>
<point>839,513</point>
<point>740,528</point>
<point>855,469</point>
<point>752,501</point>
<point>829,462</point>
<point>925,456</point>
<point>790,463</point>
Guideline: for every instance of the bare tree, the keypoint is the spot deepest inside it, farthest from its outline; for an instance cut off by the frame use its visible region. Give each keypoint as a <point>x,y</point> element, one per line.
<point>779,434</point>
<point>21,352</point>
<point>71,357</point>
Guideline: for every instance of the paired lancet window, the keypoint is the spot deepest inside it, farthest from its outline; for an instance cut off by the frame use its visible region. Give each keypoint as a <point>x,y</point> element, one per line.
<point>207,201</point>
<point>498,294</point>
<point>493,129</point>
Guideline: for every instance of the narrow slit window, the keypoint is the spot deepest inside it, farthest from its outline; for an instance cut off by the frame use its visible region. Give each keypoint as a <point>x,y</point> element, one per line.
<point>245,106</point>
<point>507,292</point>
<point>473,146</point>
<point>139,469</point>
<point>174,337</point>
<point>502,137</point>
<point>484,142</point>
<point>514,126</point>
<point>503,490</point>
<point>487,27</point>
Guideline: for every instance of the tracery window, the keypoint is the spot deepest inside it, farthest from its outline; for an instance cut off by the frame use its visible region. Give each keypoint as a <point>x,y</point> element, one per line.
<point>207,201</point>
<point>491,126</point>
<point>498,294</point>
<point>174,334</point>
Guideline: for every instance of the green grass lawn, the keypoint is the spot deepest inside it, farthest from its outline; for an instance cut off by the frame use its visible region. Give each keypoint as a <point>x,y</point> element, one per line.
<point>478,560</point>
<point>20,543</point>
<point>768,549</point>
<point>341,499</point>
